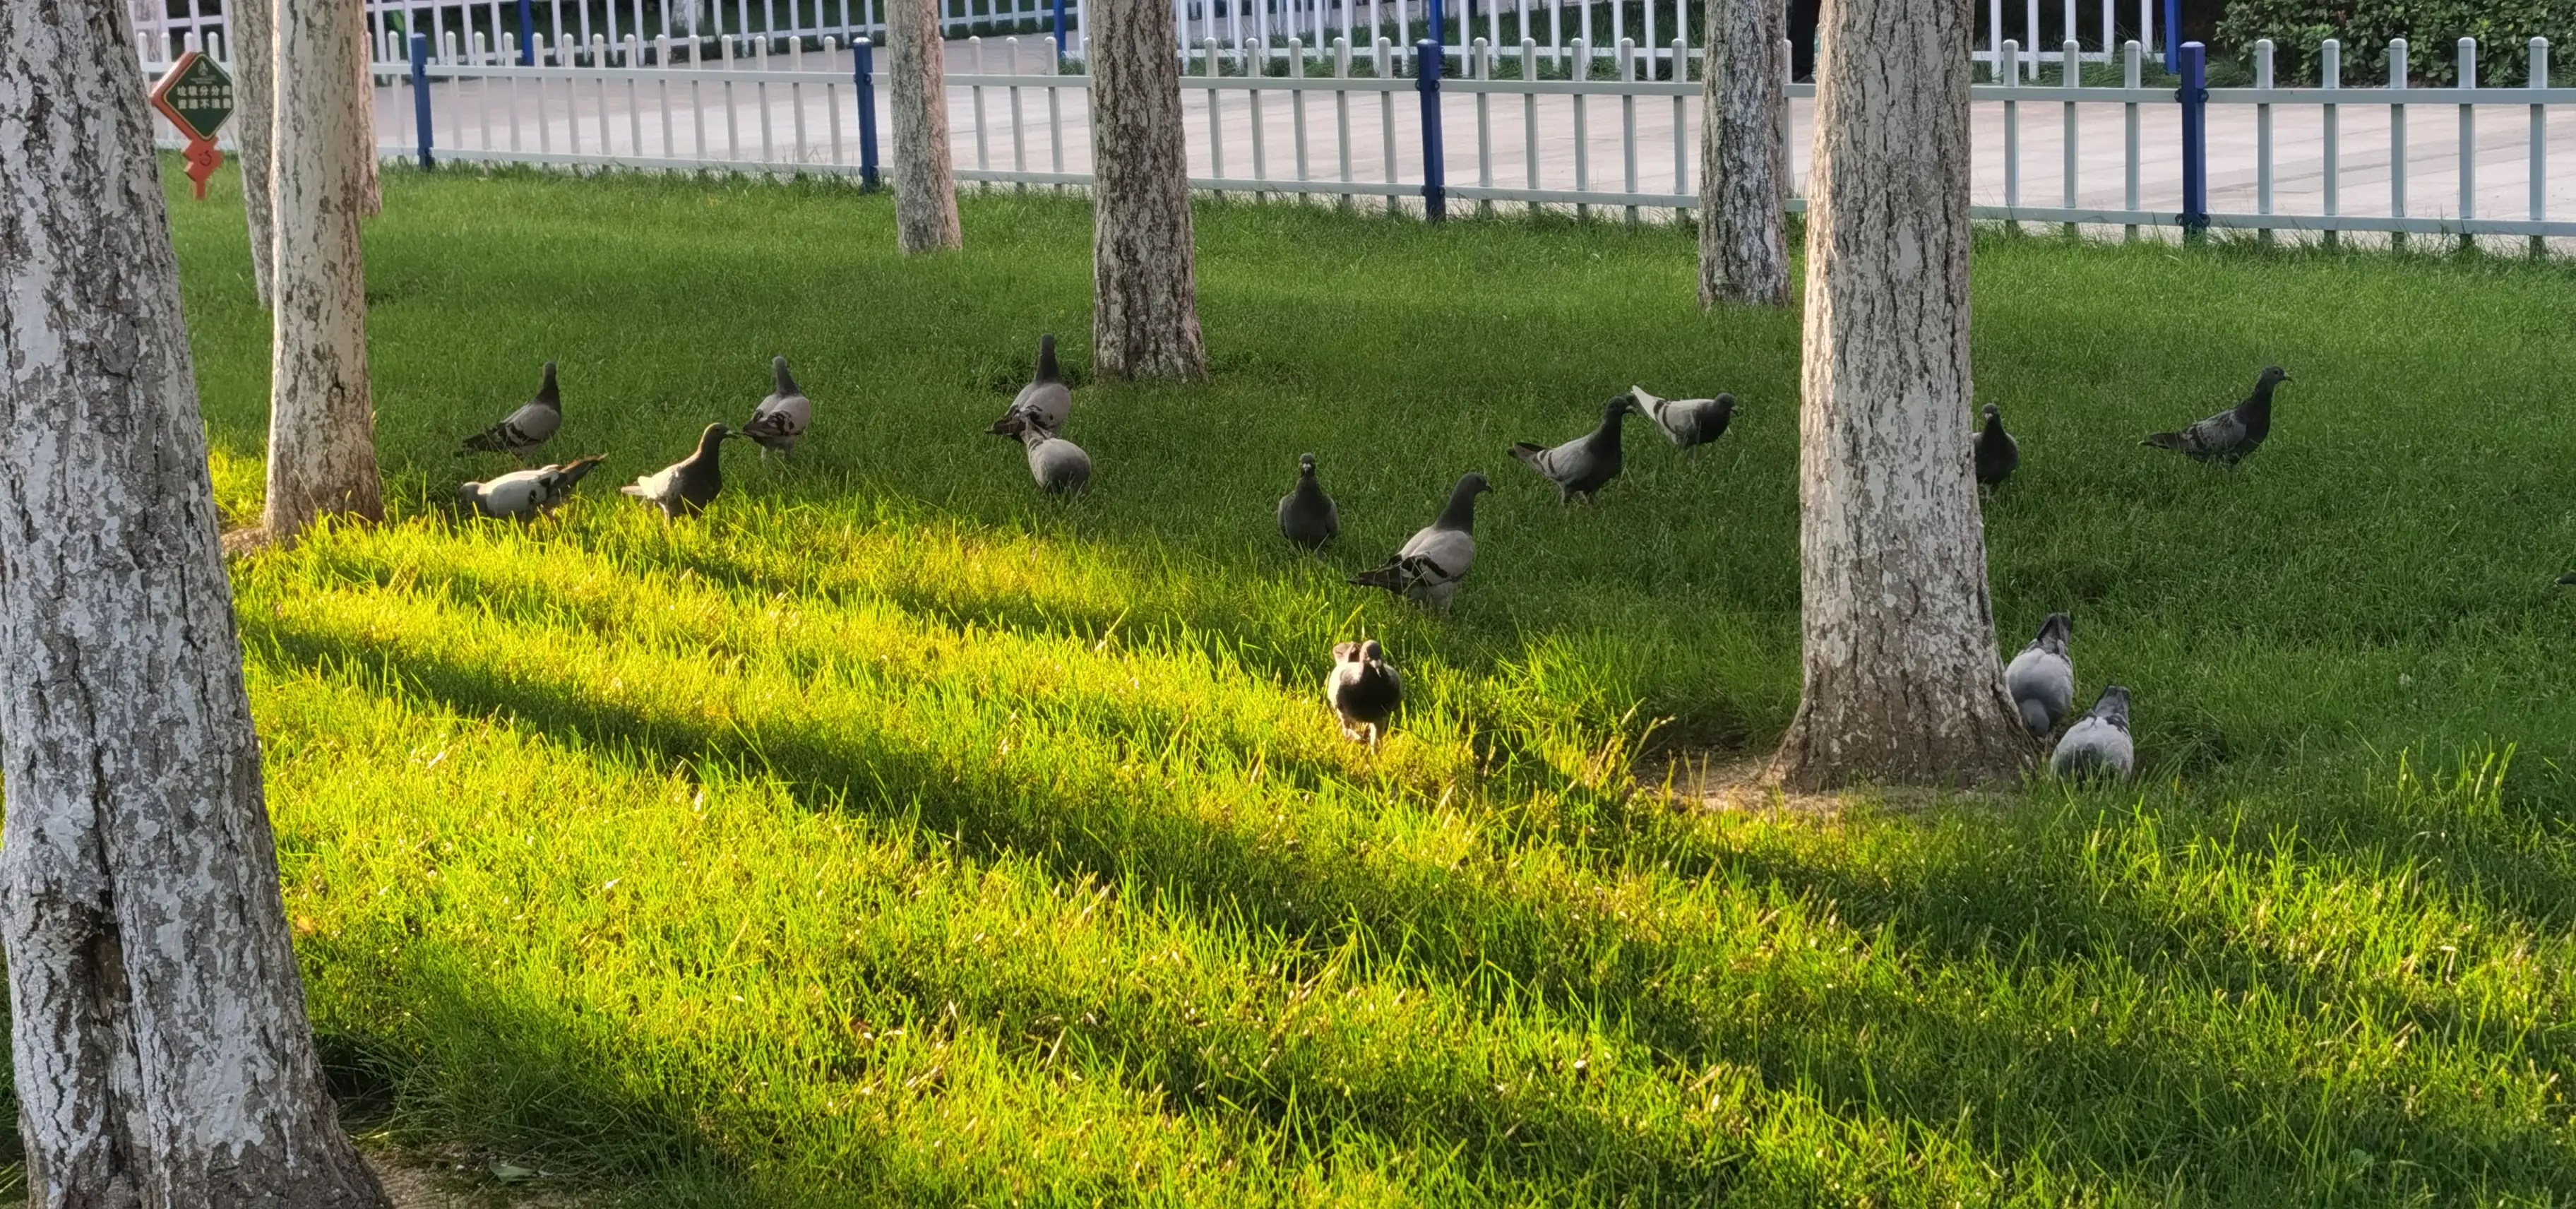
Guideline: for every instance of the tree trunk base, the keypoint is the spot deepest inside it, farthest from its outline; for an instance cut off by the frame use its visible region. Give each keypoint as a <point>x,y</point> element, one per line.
<point>1980,749</point>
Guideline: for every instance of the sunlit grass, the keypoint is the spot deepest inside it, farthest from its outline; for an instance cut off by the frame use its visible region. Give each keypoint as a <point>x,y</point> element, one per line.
<point>895,835</point>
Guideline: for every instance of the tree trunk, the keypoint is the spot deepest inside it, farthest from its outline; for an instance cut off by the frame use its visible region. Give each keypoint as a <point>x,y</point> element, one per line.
<point>1145,311</point>
<point>371,194</point>
<point>1901,679</point>
<point>162,1055</point>
<point>925,191</point>
<point>254,47</point>
<point>1743,257</point>
<point>321,419</point>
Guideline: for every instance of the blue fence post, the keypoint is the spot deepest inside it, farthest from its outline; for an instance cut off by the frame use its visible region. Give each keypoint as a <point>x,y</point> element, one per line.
<point>1426,80</point>
<point>1059,31</point>
<point>864,73</point>
<point>420,94</point>
<point>528,36</point>
<point>1438,36</point>
<point>2173,35</point>
<point>2194,96</point>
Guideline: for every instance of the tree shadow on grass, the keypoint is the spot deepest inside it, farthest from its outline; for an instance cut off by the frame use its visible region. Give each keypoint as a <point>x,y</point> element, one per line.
<point>1972,1052</point>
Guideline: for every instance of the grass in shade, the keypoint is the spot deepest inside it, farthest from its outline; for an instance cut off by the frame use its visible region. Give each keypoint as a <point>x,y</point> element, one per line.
<point>894,835</point>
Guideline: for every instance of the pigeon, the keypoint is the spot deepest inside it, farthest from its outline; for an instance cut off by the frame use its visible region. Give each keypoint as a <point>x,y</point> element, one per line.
<point>525,494</point>
<point>1307,515</point>
<point>1997,452</point>
<point>1687,422</point>
<point>1428,566</point>
<point>2098,743</point>
<point>2567,580</point>
<point>2041,678</point>
<point>1580,466</point>
<point>1058,465</point>
<point>525,429</point>
<point>1045,400</point>
<point>687,486</point>
<point>2233,434</point>
<point>782,417</point>
<point>1364,689</point>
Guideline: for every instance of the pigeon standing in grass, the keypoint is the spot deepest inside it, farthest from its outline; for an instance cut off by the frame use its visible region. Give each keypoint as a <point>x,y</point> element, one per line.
<point>1688,423</point>
<point>1059,466</point>
<point>2041,678</point>
<point>1583,465</point>
<point>1045,401</point>
<point>532,425</point>
<point>687,486</point>
<point>525,494</point>
<point>1428,566</point>
<point>2231,435</point>
<point>1307,515</point>
<point>2098,744</point>
<point>1998,454</point>
<point>1364,689</point>
<point>782,417</point>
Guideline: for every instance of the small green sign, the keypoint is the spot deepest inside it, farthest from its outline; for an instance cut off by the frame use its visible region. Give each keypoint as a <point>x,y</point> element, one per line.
<point>197,96</point>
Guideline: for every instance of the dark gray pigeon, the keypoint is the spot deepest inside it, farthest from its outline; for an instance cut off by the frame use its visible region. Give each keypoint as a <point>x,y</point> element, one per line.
<point>1583,465</point>
<point>2041,678</point>
<point>532,425</point>
<point>2232,435</point>
<point>687,486</point>
<point>1364,689</point>
<point>1045,401</point>
<point>1307,515</point>
<point>1998,454</point>
<point>782,417</point>
<point>2098,744</point>
<point>1428,566</point>
<point>1685,422</point>
<point>525,494</point>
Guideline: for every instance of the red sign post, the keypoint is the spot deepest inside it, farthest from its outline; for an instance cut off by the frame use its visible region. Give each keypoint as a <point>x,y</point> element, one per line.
<point>197,96</point>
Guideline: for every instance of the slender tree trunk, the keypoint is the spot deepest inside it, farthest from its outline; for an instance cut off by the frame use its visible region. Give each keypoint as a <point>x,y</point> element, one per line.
<point>321,419</point>
<point>1145,311</point>
<point>1901,682</point>
<point>254,46</point>
<point>925,190</point>
<point>371,193</point>
<point>162,1055</point>
<point>1743,257</point>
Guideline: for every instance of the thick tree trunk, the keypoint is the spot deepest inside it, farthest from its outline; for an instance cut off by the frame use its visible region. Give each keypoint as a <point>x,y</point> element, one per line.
<point>1145,310</point>
<point>1743,257</point>
<point>370,193</point>
<point>321,418</point>
<point>1901,683</point>
<point>162,1054</point>
<point>254,50</point>
<point>925,190</point>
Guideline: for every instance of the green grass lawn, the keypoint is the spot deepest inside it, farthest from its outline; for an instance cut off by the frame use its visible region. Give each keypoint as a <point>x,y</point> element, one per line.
<point>897,836</point>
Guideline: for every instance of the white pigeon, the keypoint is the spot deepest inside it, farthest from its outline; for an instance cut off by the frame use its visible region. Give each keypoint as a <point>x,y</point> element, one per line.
<point>2098,744</point>
<point>1045,401</point>
<point>1685,422</point>
<point>1429,565</point>
<point>525,494</point>
<point>782,417</point>
<point>2041,678</point>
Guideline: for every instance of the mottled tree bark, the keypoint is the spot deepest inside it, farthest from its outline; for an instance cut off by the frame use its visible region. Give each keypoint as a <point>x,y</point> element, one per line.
<point>370,192</point>
<point>1743,256</point>
<point>1901,680</point>
<point>1145,313</point>
<point>925,189</point>
<point>321,419</point>
<point>162,1056</point>
<point>254,49</point>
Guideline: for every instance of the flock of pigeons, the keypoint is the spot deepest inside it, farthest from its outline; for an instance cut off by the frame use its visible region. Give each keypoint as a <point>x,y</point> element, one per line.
<point>1364,688</point>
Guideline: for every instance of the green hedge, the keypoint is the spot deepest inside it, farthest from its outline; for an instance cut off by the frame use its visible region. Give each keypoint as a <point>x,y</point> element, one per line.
<point>2432,29</point>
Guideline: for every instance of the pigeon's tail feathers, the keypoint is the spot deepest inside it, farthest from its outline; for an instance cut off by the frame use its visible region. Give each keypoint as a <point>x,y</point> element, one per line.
<point>637,490</point>
<point>574,469</point>
<point>1528,452</point>
<point>1394,577</point>
<point>2165,440</point>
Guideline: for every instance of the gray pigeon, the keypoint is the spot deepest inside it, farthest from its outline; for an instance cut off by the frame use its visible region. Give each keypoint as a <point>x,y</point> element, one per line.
<point>1307,515</point>
<point>1059,466</point>
<point>1686,422</point>
<point>1581,466</point>
<point>2041,678</point>
<point>687,486</point>
<point>782,417</point>
<point>532,425</point>
<point>1364,689</point>
<point>1998,454</point>
<point>1428,566</point>
<point>2098,743</point>
<point>1046,400</point>
<point>525,494</point>
<point>2233,434</point>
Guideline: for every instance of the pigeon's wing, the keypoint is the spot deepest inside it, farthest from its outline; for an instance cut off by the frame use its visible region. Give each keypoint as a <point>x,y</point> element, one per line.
<point>780,416</point>
<point>659,487</point>
<point>1048,402</point>
<point>529,426</point>
<point>2042,679</point>
<point>516,494</point>
<point>1439,556</point>
<point>2214,437</point>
